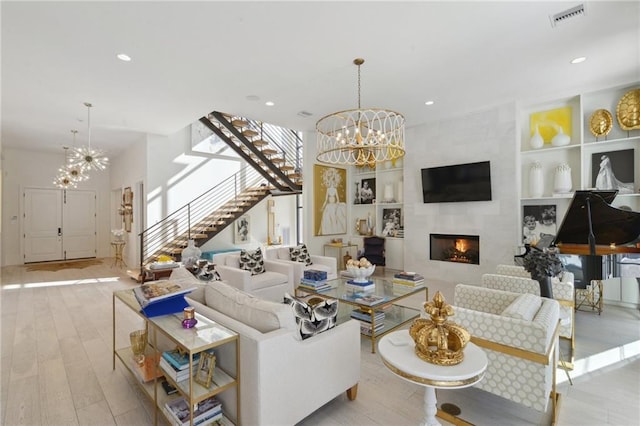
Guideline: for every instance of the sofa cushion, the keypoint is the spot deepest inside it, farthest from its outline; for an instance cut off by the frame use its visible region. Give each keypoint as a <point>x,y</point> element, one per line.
<point>524,307</point>
<point>267,279</point>
<point>252,261</point>
<point>300,254</point>
<point>262,315</point>
<point>312,319</point>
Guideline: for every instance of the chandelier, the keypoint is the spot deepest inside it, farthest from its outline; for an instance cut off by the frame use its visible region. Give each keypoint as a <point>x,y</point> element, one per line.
<point>360,137</point>
<point>62,179</point>
<point>86,157</point>
<point>73,171</point>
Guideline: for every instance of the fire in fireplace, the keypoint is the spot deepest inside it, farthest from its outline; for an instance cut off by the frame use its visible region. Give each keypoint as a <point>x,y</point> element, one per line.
<point>455,248</point>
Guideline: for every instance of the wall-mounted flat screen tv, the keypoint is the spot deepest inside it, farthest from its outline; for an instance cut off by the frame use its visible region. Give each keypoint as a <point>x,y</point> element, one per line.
<point>456,183</point>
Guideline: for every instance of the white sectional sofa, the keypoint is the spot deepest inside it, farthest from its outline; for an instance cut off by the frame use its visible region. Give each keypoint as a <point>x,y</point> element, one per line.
<point>282,379</point>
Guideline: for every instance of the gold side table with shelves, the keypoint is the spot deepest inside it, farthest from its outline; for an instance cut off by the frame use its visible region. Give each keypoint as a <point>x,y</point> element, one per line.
<point>206,335</point>
<point>340,251</point>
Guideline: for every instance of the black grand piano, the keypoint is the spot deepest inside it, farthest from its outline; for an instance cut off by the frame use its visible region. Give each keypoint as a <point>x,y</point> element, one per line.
<point>593,228</point>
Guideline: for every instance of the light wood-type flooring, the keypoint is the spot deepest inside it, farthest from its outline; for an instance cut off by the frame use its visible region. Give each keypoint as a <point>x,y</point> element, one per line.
<point>57,364</point>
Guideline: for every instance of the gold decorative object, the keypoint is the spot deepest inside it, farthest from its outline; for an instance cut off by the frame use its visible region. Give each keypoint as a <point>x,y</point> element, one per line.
<point>138,344</point>
<point>628,110</point>
<point>439,341</point>
<point>360,137</point>
<point>600,122</point>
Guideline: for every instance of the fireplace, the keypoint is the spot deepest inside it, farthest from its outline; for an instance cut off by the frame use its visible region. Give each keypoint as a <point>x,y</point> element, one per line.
<point>455,248</point>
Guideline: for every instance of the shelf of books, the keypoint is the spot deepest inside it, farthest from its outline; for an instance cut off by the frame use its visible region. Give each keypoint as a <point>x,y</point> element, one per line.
<point>185,381</point>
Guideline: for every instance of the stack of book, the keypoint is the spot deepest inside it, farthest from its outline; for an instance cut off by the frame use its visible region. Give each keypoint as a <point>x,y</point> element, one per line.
<point>365,321</point>
<point>176,365</point>
<point>162,297</point>
<point>314,285</point>
<point>355,287</point>
<point>404,282</point>
<point>207,411</point>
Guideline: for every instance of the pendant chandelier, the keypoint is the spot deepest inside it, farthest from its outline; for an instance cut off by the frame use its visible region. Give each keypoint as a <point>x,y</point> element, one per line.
<point>86,157</point>
<point>62,179</point>
<point>360,137</point>
<point>71,170</point>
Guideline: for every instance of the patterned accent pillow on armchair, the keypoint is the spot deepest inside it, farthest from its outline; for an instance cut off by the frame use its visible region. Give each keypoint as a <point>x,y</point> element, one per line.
<point>312,319</point>
<point>252,261</point>
<point>300,254</point>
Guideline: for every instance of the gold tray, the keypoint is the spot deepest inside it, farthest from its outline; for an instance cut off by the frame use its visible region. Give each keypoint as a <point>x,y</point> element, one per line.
<point>628,110</point>
<point>600,122</point>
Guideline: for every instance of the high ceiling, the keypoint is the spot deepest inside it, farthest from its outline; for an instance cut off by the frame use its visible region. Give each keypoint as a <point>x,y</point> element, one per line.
<point>190,58</point>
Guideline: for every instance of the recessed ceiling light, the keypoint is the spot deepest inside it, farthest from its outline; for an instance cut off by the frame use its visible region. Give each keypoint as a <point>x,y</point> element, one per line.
<point>269,103</point>
<point>429,103</point>
<point>124,57</point>
<point>578,60</point>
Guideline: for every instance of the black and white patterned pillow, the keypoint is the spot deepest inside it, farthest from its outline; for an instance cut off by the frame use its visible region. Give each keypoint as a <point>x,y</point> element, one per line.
<point>252,261</point>
<point>312,320</point>
<point>300,254</point>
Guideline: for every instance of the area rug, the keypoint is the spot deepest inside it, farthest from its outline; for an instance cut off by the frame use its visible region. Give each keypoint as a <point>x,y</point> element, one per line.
<point>58,266</point>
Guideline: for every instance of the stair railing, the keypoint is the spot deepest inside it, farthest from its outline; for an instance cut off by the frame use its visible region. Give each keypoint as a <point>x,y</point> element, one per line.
<point>216,204</point>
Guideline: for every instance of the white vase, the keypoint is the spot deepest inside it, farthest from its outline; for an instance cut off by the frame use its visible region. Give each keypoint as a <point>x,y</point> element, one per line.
<point>560,139</point>
<point>191,254</point>
<point>536,141</point>
<point>562,183</point>
<point>536,180</point>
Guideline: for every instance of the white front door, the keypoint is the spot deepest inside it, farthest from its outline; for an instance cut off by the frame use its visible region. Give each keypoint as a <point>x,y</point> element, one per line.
<point>59,224</point>
<point>79,224</point>
<point>42,225</point>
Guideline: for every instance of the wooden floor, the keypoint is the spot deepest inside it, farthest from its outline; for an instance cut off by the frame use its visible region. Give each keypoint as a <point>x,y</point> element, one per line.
<point>57,366</point>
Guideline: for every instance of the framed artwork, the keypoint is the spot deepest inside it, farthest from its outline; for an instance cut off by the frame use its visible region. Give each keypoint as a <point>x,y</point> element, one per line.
<point>614,170</point>
<point>242,227</point>
<point>537,220</point>
<point>391,221</point>
<point>127,208</point>
<point>206,367</point>
<point>329,200</point>
<point>551,122</point>
<point>368,191</point>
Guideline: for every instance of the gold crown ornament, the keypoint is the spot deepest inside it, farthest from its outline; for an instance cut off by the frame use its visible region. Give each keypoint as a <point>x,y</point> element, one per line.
<point>439,341</point>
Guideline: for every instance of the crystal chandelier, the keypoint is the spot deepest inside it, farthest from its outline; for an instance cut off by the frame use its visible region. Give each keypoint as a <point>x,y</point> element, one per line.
<point>360,137</point>
<point>62,179</point>
<point>86,157</point>
<point>71,170</point>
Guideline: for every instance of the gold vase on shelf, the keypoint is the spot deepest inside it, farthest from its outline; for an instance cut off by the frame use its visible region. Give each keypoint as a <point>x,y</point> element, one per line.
<point>138,344</point>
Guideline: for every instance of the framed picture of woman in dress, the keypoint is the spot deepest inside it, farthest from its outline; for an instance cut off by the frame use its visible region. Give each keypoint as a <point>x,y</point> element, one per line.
<point>329,197</point>
<point>614,170</point>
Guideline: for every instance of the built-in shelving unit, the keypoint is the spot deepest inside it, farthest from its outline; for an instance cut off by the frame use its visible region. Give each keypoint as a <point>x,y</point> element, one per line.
<point>386,206</point>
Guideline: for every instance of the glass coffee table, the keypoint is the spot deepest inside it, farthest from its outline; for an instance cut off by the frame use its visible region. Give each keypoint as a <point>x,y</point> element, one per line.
<point>379,310</point>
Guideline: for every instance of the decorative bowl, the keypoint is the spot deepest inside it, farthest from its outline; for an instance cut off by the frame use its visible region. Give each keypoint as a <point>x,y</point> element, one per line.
<point>361,275</point>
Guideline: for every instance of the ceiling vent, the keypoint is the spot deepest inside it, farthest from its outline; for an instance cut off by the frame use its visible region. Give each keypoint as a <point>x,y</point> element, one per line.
<point>567,15</point>
<point>305,114</point>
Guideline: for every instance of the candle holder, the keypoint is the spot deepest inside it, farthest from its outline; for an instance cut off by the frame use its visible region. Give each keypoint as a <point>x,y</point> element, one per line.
<point>189,320</point>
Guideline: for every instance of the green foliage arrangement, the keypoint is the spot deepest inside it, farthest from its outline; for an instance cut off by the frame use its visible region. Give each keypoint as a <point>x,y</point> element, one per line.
<point>543,263</point>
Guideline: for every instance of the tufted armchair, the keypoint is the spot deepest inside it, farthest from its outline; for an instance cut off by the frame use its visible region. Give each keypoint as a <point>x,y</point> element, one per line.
<point>272,284</point>
<point>519,333</point>
<point>563,292</point>
<point>320,263</point>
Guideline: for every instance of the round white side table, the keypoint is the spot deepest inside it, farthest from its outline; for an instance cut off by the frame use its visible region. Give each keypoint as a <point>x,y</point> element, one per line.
<point>398,354</point>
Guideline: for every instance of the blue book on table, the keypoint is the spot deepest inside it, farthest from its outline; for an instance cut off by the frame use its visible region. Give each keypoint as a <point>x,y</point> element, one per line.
<point>171,305</point>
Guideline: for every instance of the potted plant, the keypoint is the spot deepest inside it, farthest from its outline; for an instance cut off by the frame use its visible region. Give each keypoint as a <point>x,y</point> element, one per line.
<point>543,265</point>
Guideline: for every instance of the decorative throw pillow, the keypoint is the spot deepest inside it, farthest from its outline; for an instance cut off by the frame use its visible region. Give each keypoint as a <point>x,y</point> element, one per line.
<point>252,261</point>
<point>523,307</point>
<point>312,319</point>
<point>300,254</point>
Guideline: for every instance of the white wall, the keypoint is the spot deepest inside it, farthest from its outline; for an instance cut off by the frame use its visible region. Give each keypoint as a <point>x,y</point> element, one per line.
<point>484,135</point>
<point>38,169</point>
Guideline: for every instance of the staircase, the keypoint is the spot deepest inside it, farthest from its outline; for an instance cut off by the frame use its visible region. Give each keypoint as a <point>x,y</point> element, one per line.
<point>274,155</point>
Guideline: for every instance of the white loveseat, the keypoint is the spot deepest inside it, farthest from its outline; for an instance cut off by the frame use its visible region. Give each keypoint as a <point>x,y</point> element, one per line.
<point>519,333</point>
<point>282,379</point>
<point>319,263</point>
<point>272,284</point>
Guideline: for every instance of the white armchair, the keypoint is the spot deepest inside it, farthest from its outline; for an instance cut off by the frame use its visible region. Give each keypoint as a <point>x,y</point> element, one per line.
<point>516,278</point>
<point>519,333</point>
<point>272,284</point>
<point>320,263</point>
